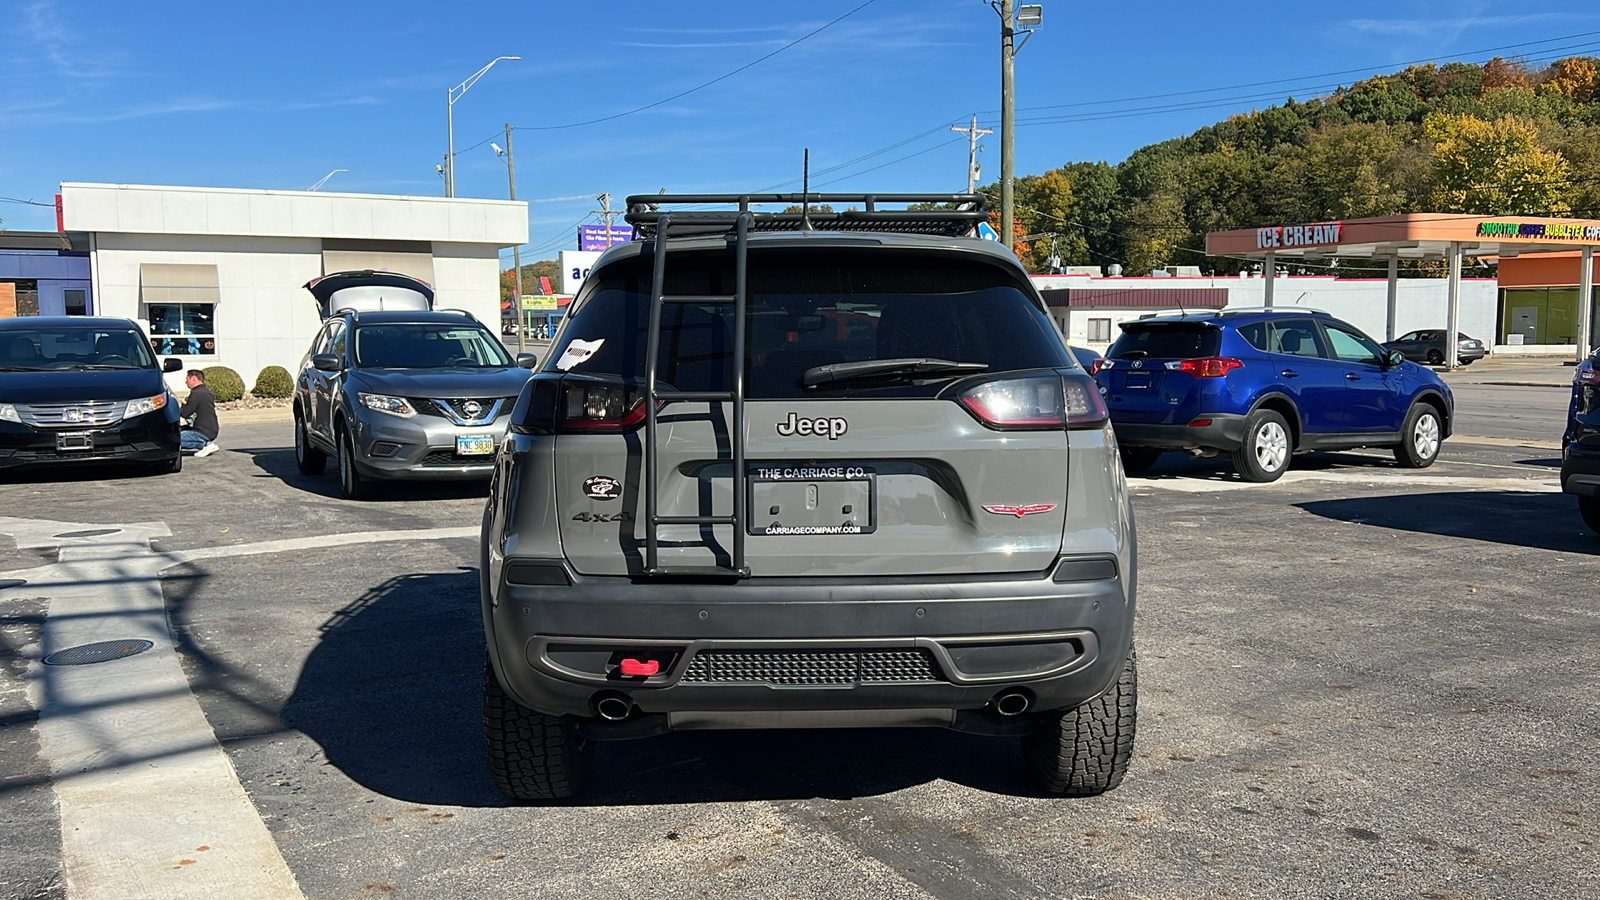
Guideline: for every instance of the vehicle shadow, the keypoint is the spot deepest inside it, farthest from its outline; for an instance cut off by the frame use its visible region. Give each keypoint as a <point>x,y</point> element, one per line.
<point>278,462</point>
<point>1545,521</point>
<point>1220,468</point>
<point>392,692</point>
<point>76,472</point>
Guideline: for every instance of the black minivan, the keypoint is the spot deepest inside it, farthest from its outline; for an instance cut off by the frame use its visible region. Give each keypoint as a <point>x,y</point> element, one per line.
<point>82,389</point>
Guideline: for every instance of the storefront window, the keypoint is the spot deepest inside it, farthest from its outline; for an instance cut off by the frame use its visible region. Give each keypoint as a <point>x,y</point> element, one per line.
<point>183,329</point>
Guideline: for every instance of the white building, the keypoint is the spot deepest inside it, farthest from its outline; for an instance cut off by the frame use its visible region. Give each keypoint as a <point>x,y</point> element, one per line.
<point>1090,309</point>
<point>217,275</point>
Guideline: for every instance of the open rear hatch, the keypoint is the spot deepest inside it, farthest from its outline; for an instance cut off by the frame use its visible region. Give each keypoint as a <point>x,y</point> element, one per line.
<point>943,452</point>
<point>370,290</point>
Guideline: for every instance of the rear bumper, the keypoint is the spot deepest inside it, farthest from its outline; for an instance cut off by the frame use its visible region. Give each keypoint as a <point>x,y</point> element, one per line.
<point>150,438</point>
<point>803,652</point>
<point>1580,470</point>
<point>1226,432</point>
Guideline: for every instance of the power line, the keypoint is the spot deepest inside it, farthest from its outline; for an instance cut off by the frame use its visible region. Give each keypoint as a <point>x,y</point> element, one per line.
<point>707,84</point>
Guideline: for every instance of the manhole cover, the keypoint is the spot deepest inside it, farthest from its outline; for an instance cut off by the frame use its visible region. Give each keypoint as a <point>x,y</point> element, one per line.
<point>93,532</point>
<point>104,651</point>
<point>12,582</point>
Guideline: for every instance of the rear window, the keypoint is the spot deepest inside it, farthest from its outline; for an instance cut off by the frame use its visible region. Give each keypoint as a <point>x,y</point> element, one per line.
<point>1180,340</point>
<point>810,309</point>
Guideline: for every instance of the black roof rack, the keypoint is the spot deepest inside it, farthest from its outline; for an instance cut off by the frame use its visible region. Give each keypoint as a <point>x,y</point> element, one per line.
<point>646,210</point>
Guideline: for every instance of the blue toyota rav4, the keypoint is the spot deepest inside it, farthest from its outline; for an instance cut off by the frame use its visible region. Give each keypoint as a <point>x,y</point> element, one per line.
<point>1264,384</point>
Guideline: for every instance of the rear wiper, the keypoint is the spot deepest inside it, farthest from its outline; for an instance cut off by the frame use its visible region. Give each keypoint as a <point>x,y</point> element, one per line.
<point>906,367</point>
<point>1133,354</point>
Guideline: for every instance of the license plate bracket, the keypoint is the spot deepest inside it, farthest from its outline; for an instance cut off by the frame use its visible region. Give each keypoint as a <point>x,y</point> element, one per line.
<point>475,445</point>
<point>1138,381</point>
<point>75,440</point>
<point>812,500</point>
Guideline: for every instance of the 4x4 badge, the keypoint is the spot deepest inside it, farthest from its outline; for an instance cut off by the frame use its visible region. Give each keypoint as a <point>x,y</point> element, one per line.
<point>1020,511</point>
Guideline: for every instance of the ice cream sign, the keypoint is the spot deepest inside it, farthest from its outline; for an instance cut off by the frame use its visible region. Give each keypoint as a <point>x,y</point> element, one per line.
<point>1558,231</point>
<point>1280,236</point>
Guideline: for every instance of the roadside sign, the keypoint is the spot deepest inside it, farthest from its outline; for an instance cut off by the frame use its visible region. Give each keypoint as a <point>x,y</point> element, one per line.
<point>987,232</point>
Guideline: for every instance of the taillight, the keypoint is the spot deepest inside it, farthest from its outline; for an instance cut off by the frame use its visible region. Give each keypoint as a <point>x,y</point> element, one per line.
<point>1587,376</point>
<point>1036,402</point>
<point>551,406</point>
<point>1100,365</point>
<point>1206,366</point>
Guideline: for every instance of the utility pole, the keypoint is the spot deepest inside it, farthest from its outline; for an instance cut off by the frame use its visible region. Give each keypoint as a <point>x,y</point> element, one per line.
<point>605,201</point>
<point>516,255</point>
<point>1007,125</point>
<point>972,150</point>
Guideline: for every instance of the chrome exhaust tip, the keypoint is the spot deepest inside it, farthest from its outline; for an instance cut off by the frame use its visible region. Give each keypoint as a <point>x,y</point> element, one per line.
<point>613,707</point>
<point>1012,702</point>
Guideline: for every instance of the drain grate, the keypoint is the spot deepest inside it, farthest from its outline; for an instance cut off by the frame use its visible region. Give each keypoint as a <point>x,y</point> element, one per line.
<point>12,582</point>
<point>104,651</point>
<point>92,532</point>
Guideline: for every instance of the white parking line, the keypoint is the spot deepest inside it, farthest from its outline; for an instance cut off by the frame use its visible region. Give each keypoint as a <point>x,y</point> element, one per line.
<point>150,804</point>
<point>1206,485</point>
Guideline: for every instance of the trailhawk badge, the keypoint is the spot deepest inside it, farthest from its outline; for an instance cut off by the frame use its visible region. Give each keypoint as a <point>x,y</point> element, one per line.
<point>1020,511</point>
<point>832,429</point>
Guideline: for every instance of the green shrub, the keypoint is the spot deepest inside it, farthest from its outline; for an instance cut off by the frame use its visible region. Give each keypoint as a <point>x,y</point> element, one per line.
<point>225,383</point>
<point>274,381</point>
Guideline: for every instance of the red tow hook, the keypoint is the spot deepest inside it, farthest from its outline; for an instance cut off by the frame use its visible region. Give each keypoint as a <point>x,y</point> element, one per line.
<point>640,668</point>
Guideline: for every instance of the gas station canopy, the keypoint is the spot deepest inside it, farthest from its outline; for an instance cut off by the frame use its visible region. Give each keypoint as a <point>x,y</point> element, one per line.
<point>1447,236</point>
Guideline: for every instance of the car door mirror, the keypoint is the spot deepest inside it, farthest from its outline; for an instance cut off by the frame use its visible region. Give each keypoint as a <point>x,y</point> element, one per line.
<point>326,362</point>
<point>172,364</point>
<point>1393,358</point>
<point>527,360</point>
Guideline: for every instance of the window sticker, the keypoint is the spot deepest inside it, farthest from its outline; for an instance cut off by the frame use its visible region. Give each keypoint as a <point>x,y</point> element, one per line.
<point>578,352</point>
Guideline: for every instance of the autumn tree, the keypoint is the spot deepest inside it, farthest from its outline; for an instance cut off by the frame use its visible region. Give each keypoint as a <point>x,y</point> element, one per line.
<point>1494,167</point>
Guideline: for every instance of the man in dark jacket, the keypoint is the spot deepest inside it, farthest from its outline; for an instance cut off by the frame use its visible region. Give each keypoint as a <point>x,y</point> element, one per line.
<point>199,414</point>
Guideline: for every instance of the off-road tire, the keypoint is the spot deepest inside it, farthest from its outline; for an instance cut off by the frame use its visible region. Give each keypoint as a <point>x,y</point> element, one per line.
<point>1421,438</point>
<point>352,484</point>
<point>532,756</point>
<point>1085,751</point>
<point>1589,508</point>
<point>1138,460</point>
<point>309,459</point>
<point>1267,441</point>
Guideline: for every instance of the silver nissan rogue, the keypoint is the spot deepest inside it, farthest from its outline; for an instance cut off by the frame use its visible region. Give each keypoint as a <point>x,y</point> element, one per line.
<point>808,470</point>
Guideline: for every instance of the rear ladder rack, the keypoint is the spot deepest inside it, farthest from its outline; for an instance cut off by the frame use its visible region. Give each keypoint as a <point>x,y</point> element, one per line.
<point>655,399</point>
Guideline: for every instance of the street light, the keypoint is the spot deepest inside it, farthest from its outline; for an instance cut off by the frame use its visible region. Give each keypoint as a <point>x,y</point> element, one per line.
<point>1028,16</point>
<point>452,96</point>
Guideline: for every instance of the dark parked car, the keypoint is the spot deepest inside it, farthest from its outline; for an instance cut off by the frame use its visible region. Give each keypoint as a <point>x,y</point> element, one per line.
<point>78,389</point>
<point>775,476</point>
<point>1580,445</point>
<point>1427,346</point>
<point>1264,384</point>
<point>395,390</point>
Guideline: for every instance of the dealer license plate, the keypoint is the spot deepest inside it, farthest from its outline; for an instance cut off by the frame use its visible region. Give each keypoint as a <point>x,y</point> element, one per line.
<point>475,445</point>
<point>812,500</point>
<point>75,440</point>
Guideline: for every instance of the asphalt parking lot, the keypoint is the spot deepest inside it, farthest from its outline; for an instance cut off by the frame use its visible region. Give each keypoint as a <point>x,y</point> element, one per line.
<point>1361,681</point>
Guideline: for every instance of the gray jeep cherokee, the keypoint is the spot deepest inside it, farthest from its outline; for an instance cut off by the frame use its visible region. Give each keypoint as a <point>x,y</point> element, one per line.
<point>808,470</point>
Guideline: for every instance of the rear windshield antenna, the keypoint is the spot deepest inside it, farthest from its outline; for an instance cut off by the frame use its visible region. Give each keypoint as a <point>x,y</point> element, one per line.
<point>805,191</point>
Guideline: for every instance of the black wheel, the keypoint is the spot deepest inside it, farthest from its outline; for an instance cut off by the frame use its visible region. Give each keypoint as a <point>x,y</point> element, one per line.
<point>1420,438</point>
<point>1589,508</point>
<point>1435,358</point>
<point>352,484</point>
<point>1085,751</point>
<point>532,756</point>
<point>310,460</point>
<point>1267,447</point>
<point>1138,460</point>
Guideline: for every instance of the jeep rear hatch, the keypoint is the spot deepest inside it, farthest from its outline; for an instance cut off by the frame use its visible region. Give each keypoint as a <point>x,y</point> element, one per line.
<point>906,414</point>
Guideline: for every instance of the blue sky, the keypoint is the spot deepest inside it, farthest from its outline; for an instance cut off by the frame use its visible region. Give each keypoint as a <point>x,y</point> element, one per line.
<point>276,96</point>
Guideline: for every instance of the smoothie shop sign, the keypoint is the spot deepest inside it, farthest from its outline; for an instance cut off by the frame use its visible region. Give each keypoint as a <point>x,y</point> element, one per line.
<point>1544,230</point>
<point>1278,236</point>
